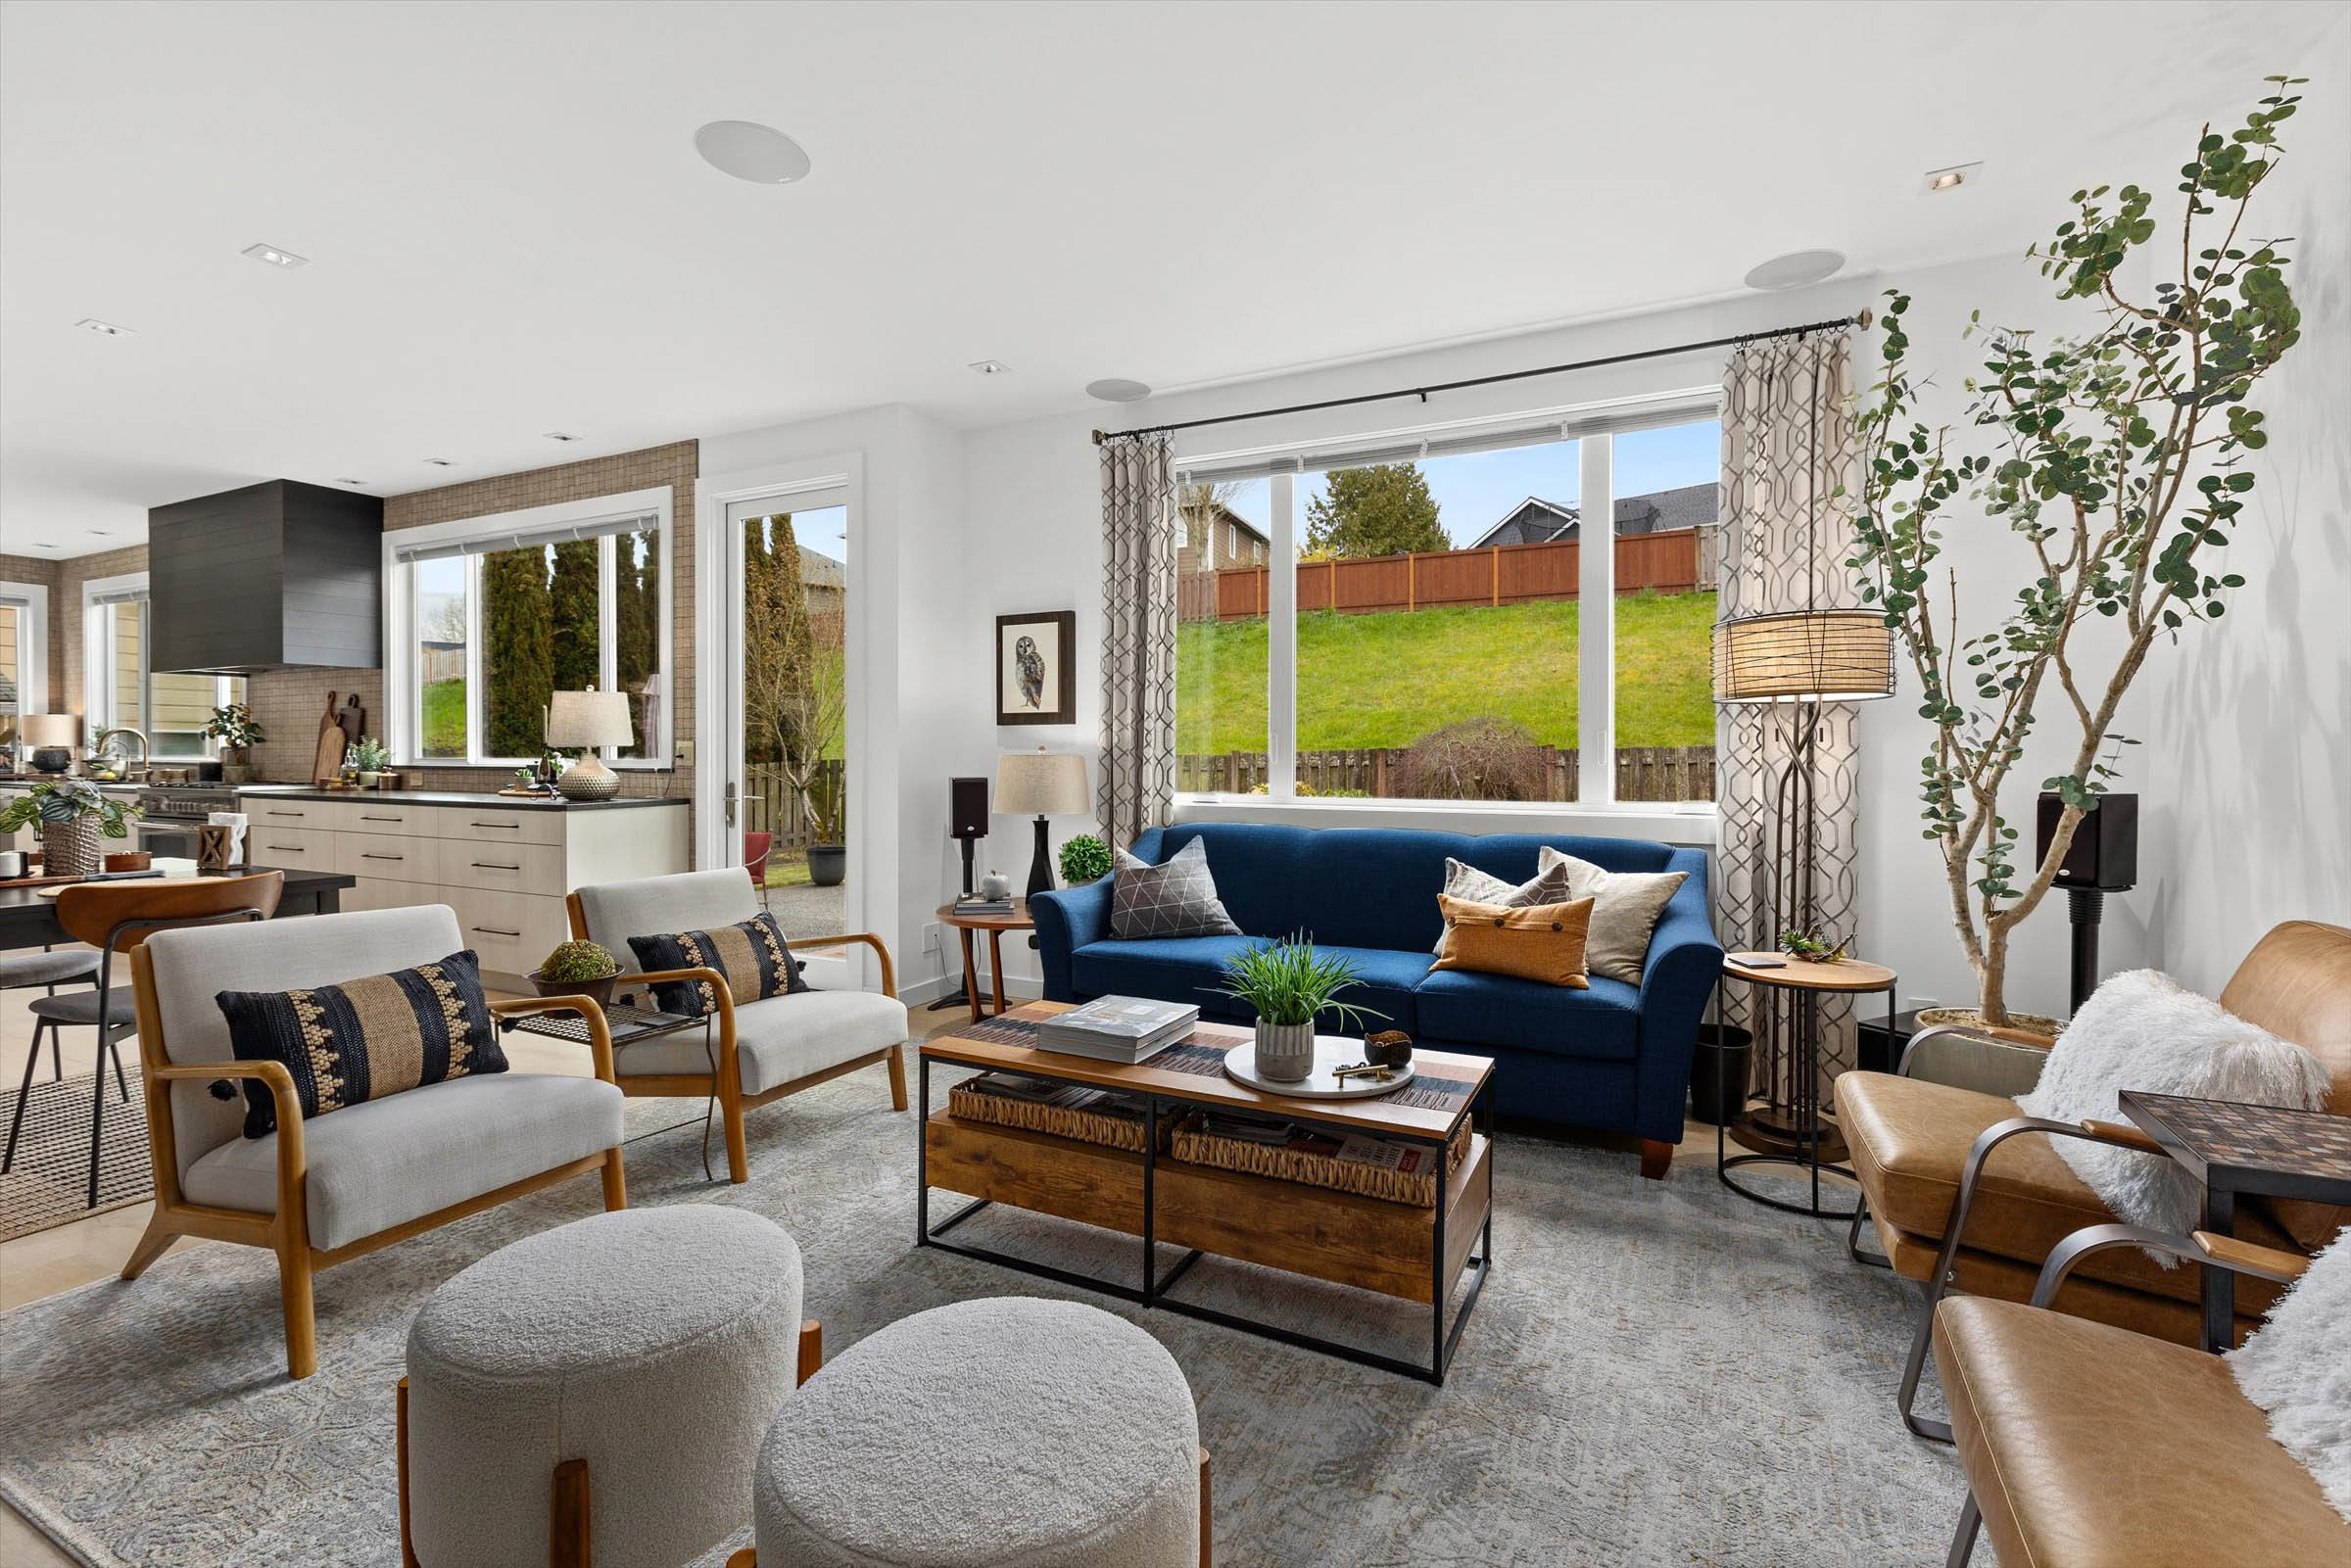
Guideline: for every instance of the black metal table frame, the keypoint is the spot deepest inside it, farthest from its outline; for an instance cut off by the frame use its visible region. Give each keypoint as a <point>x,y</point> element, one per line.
<point>1154,1286</point>
<point>554,1027</point>
<point>1805,1026</point>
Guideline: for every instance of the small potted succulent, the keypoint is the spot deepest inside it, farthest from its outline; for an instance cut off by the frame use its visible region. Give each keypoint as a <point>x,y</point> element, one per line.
<point>367,757</point>
<point>73,815</point>
<point>1288,984</point>
<point>233,727</point>
<point>577,968</point>
<point>1084,859</point>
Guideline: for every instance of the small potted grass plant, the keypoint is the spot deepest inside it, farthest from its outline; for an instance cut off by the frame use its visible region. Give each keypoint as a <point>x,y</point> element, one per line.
<point>577,968</point>
<point>1288,984</point>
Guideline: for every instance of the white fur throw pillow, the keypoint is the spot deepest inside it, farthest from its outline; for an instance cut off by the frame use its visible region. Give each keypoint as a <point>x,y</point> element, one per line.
<point>2297,1367</point>
<point>2141,1029</point>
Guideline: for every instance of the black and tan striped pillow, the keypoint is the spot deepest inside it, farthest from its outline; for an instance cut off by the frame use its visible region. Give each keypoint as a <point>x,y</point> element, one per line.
<point>364,1039</point>
<point>754,956</point>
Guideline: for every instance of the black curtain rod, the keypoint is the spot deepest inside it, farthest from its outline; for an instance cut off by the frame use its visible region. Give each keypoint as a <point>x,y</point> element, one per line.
<point>1860,320</point>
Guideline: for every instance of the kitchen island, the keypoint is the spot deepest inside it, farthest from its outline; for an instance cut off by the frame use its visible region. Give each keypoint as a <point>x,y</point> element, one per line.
<point>29,919</point>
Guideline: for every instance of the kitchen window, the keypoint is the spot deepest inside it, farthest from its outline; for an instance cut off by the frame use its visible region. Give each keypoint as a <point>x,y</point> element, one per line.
<point>24,655</point>
<point>121,691</point>
<point>485,618</point>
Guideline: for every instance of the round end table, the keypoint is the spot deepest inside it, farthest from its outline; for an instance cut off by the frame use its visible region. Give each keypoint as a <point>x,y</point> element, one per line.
<point>995,926</point>
<point>1798,1133</point>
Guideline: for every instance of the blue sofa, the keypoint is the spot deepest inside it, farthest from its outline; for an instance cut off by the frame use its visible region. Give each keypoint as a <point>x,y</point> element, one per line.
<point>1616,1057</point>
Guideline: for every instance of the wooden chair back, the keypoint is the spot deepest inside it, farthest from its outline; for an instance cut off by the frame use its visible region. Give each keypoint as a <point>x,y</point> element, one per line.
<point>95,912</point>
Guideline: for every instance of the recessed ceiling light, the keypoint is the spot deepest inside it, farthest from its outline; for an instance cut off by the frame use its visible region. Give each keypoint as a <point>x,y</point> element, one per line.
<point>991,367</point>
<point>760,153</point>
<point>439,462</point>
<point>562,435</point>
<point>275,257</point>
<point>1118,390</point>
<point>106,327</point>
<point>1950,179</point>
<point>1796,269</point>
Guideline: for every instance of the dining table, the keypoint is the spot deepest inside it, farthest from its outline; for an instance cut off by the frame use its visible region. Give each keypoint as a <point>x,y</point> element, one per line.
<point>29,919</point>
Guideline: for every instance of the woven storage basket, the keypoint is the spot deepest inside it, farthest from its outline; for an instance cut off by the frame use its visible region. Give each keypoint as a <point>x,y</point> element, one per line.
<point>1195,1147</point>
<point>1086,1126</point>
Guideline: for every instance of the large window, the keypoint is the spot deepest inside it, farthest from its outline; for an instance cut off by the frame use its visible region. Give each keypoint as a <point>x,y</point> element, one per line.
<point>122,691</point>
<point>24,655</point>
<point>1447,635</point>
<point>489,617</point>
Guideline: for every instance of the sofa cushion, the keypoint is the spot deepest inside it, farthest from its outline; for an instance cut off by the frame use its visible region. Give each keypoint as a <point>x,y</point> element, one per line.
<point>1171,969</point>
<point>751,954</point>
<point>1548,887</point>
<point>780,1040</point>
<point>1626,908</point>
<point>2093,1446</point>
<point>1467,1008</point>
<point>1176,898</point>
<point>1539,943</point>
<point>391,1160</point>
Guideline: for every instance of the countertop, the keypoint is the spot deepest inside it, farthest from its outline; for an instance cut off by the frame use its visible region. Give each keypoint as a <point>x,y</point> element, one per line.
<point>477,800</point>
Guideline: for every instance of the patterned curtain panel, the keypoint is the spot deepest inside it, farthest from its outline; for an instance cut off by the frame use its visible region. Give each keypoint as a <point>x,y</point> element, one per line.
<point>1787,446</point>
<point>1139,636</point>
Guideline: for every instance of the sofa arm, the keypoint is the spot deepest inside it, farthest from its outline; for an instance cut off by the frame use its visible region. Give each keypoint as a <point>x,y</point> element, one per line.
<point>1067,919</point>
<point>1677,977</point>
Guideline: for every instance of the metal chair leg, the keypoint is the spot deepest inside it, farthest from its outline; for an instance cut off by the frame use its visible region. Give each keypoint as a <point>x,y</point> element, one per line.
<point>15,1122</point>
<point>114,1048</point>
<point>97,1118</point>
<point>57,1055</point>
<point>1963,1542</point>
<point>1853,1237</point>
<point>1920,1344</point>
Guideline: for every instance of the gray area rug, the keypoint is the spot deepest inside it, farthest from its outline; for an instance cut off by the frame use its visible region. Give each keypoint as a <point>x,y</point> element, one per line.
<point>1656,1373</point>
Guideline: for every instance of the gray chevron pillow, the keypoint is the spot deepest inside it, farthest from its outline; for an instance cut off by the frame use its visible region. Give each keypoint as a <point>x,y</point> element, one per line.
<point>1177,898</point>
<point>1475,887</point>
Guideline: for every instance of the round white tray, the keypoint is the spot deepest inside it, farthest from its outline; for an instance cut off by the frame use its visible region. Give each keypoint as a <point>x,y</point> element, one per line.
<point>1330,1051</point>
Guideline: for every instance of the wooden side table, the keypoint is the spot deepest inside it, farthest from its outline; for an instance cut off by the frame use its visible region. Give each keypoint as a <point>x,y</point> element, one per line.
<point>995,926</point>
<point>1798,1133</point>
<point>2247,1151</point>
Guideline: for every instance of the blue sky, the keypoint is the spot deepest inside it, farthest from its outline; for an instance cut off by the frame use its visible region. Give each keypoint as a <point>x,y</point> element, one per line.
<point>1477,489</point>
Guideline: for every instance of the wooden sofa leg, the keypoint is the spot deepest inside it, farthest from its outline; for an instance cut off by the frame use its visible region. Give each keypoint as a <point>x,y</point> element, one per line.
<point>617,1182</point>
<point>1656,1157</point>
<point>747,1557</point>
<point>302,1323</point>
<point>400,1449</point>
<point>568,1520</point>
<point>1206,1545</point>
<point>812,1349</point>
<point>151,1247</point>
<point>898,1077</point>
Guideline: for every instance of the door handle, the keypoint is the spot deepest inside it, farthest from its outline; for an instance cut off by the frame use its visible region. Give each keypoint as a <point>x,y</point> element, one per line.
<point>729,802</point>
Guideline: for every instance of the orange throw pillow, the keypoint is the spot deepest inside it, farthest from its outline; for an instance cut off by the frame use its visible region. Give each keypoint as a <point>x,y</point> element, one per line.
<point>1542,942</point>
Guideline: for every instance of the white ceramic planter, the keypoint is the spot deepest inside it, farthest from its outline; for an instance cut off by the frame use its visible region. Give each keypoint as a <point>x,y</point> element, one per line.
<point>1285,1052</point>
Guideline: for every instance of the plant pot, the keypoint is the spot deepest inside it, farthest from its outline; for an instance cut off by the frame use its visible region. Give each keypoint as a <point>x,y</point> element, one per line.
<point>130,860</point>
<point>1718,1072</point>
<point>598,990</point>
<point>828,864</point>
<point>69,849</point>
<point>2030,1028</point>
<point>370,778</point>
<point>1285,1052</point>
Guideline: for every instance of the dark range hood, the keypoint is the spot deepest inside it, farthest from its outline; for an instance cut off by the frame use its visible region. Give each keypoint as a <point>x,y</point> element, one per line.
<point>276,576</point>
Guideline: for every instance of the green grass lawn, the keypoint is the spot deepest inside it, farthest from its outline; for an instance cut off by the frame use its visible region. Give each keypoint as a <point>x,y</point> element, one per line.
<point>445,717</point>
<point>1387,680</point>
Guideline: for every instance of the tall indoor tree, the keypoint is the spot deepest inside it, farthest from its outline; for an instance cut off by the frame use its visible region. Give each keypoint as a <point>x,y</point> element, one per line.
<point>2116,456</point>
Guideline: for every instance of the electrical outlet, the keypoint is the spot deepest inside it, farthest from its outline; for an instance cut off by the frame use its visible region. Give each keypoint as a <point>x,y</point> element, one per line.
<point>931,937</point>
<point>684,753</point>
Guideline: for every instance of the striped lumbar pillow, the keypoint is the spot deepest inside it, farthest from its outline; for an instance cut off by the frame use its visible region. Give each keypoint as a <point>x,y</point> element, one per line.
<point>754,956</point>
<point>364,1039</point>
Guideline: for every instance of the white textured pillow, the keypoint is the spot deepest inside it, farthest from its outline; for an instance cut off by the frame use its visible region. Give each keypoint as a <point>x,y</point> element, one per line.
<point>2297,1367</point>
<point>2141,1029</point>
<point>1626,906</point>
<point>1467,883</point>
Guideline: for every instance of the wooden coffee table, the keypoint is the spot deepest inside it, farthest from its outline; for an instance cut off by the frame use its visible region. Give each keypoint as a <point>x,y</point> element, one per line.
<point>1399,1250</point>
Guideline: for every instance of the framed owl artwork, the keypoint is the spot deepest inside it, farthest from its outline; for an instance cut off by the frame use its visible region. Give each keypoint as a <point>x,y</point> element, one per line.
<point>1036,668</point>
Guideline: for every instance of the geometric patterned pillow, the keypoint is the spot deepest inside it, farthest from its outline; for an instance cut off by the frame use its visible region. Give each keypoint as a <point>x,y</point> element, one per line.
<point>1550,886</point>
<point>754,956</point>
<point>364,1039</point>
<point>1177,898</point>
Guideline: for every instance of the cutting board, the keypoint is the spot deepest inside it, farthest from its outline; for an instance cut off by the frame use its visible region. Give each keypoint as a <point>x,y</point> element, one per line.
<point>328,764</point>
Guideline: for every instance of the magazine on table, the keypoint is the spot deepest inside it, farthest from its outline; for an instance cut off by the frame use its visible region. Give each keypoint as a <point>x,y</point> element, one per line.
<point>1118,1028</point>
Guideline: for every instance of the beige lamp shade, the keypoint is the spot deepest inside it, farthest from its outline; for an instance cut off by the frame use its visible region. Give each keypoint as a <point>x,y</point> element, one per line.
<point>1041,784</point>
<point>589,719</point>
<point>49,729</point>
<point>1803,656</point>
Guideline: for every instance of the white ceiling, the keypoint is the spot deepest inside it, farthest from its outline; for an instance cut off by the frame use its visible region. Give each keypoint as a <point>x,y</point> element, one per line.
<point>509,232</point>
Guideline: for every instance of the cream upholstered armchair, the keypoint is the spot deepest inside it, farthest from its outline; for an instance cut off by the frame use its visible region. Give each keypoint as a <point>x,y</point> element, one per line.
<point>764,1050</point>
<point>343,1184</point>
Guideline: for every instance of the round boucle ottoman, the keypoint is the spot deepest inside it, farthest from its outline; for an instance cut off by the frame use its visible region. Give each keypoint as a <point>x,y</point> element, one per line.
<point>1015,1431</point>
<point>654,1343</point>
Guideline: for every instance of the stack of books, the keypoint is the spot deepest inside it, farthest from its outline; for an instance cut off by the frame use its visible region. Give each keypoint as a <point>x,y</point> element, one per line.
<point>1118,1028</point>
<point>972,905</point>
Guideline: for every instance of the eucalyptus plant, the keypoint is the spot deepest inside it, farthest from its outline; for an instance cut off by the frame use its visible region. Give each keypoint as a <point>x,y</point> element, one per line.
<point>2116,455</point>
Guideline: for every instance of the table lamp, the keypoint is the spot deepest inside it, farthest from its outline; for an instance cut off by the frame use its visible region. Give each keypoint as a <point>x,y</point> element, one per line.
<point>586,720</point>
<point>1041,784</point>
<point>52,738</point>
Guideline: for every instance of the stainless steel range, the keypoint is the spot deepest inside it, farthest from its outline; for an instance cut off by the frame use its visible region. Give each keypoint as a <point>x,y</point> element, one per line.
<point>169,817</point>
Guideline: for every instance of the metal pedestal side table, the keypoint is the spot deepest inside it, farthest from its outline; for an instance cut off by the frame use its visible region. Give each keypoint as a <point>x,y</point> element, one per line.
<point>1799,1133</point>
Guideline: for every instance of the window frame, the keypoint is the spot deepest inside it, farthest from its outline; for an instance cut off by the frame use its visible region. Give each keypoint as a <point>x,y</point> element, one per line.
<point>99,597</point>
<point>402,675</point>
<point>31,601</point>
<point>1594,425</point>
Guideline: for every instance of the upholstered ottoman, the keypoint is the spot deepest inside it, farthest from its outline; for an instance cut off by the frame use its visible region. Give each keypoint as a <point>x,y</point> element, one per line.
<point>1013,1431</point>
<point>651,1346</point>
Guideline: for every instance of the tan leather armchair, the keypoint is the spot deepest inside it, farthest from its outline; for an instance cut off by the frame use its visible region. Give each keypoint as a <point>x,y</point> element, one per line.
<point>2087,1446</point>
<point>1964,1193</point>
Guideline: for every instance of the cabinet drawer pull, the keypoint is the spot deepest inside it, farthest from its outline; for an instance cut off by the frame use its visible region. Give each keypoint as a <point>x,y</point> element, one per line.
<point>493,931</point>
<point>510,826</point>
<point>494,865</point>
<point>364,816</point>
<point>370,854</point>
<point>285,849</point>
<point>289,814</point>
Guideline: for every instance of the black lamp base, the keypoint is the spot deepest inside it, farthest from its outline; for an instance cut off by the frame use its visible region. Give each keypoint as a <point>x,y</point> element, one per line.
<point>57,759</point>
<point>1041,870</point>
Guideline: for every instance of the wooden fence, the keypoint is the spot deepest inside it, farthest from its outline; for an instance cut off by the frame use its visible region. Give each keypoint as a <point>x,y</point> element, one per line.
<point>1673,561</point>
<point>770,805</point>
<point>1643,772</point>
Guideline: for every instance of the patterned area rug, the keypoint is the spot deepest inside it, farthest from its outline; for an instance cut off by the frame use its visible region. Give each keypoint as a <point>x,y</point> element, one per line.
<point>48,1185</point>
<point>1657,1373</point>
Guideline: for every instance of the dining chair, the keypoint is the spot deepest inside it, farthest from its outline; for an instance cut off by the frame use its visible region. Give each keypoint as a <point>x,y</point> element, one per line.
<point>117,918</point>
<point>48,969</point>
<point>757,847</point>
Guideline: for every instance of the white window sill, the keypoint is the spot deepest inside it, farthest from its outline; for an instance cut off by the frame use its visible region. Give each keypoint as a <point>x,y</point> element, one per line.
<point>1695,822</point>
<point>510,764</point>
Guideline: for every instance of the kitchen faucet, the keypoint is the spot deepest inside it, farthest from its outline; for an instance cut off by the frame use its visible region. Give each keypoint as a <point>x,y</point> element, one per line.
<point>146,750</point>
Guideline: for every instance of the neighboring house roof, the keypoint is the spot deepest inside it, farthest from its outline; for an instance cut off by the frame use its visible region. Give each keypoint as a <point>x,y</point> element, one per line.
<point>819,570</point>
<point>1226,514</point>
<point>1536,521</point>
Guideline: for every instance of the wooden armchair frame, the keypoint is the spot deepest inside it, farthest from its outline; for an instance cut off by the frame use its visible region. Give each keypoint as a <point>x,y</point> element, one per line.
<point>287,1232</point>
<point>725,1082</point>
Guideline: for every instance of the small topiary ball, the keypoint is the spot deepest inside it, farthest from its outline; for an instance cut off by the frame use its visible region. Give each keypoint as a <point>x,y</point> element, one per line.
<point>577,961</point>
<point>1084,859</point>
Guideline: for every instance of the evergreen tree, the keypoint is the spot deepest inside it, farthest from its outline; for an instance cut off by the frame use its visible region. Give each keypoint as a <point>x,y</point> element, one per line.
<point>1383,509</point>
<point>516,654</point>
<point>573,608</point>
